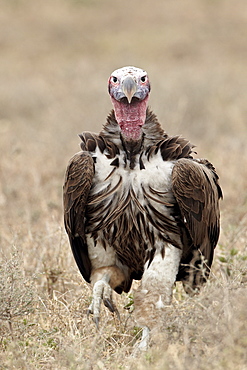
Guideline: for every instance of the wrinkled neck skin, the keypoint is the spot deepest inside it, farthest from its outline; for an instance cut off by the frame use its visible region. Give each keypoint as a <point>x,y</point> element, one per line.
<point>131,117</point>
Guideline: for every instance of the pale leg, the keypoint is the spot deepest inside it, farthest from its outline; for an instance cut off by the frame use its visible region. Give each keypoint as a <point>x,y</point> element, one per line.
<point>155,292</point>
<point>105,277</point>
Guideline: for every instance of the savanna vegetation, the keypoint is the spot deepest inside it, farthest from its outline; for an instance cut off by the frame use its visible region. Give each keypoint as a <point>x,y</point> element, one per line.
<point>55,59</point>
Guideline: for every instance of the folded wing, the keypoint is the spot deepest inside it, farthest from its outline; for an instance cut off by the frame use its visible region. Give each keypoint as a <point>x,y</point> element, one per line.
<point>197,192</point>
<point>78,181</point>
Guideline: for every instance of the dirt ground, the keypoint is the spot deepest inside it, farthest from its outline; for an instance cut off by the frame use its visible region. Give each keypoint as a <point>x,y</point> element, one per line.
<point>55,59</point>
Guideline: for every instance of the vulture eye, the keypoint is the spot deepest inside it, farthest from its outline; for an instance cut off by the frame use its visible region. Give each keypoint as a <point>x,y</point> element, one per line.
<point>114,79</point>
<point>144,79</point>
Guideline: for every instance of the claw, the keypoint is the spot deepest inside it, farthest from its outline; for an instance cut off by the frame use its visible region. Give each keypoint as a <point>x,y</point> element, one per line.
<point>112,307</point>
<point>109,304</point>
<point>117,313</point>
<point>90,309</point>
<point>96,321</point>
<point>101,290</point>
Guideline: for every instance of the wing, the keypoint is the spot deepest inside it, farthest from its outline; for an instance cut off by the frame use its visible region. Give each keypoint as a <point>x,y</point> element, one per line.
<point>197,192</point>
<point>78,181</point>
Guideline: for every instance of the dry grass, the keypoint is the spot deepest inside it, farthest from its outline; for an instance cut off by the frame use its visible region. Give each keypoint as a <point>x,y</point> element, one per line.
<point>55,60</point>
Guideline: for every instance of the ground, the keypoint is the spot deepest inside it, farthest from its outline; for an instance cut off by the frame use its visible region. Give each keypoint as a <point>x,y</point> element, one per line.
<point>54,64</point>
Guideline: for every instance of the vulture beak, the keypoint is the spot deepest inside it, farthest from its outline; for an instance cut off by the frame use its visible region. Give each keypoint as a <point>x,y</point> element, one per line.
<point>129,88</point>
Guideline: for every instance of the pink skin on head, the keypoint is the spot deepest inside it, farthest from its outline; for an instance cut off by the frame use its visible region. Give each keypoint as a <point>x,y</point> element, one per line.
<point>130,117</point>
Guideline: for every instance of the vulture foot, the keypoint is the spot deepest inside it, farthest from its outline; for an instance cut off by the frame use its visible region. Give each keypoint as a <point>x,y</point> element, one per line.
<point>143,345</point>
<point>101,290</point>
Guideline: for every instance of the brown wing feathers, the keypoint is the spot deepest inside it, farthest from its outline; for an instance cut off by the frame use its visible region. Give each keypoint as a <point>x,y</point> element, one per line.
<point>196,189</point>
<point>90,141</point>
<point>78,181</point>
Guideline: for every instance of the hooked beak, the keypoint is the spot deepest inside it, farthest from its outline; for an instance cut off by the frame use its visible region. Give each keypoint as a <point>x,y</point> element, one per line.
<point>129,88</point>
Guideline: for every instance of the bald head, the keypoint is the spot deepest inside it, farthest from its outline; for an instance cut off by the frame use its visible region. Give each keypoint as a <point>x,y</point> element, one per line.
<point>129,82</point>
<point>129,89</point>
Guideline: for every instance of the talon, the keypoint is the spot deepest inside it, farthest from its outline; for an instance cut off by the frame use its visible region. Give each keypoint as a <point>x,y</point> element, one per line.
<point>112,307</point>
<point>109,304</point>
<point>101,291</point>
<point>90,309</point>
<point>96,321</point>
<point>117,313</point>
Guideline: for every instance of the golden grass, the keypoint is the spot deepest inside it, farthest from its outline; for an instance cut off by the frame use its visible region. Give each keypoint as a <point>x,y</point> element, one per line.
<point>55,61</point>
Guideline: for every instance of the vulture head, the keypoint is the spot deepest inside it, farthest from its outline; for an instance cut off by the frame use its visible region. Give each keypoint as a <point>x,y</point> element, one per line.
<point>129,89</point>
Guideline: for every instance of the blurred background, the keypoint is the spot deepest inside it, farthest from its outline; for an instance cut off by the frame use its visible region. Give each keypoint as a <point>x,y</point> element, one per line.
<point>55,59</point>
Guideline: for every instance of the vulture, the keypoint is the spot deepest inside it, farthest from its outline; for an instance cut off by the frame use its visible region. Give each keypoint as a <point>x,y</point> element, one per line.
<point>138,206</point>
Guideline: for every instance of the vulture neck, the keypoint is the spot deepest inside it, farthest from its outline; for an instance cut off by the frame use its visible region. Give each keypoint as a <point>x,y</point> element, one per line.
<point>151,133</point>
<point>130,117</point>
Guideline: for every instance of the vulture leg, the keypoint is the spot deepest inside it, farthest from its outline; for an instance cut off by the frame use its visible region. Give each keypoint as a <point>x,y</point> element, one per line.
<point>155,292</point>
<point>104,280</point>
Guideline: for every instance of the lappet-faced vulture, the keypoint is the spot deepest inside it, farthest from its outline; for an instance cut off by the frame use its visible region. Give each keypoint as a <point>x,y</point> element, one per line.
<point>138,206</point>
